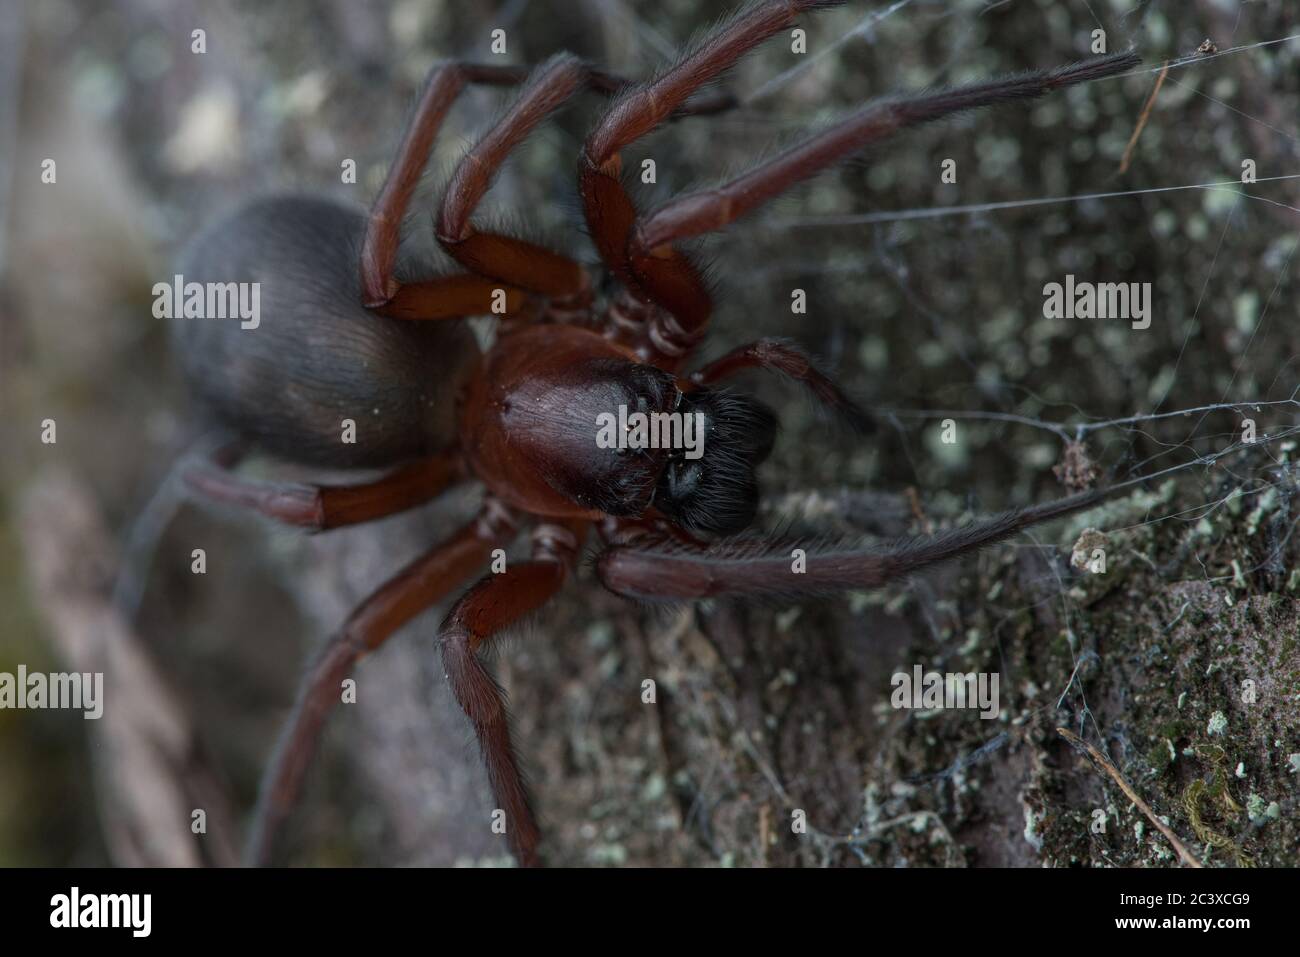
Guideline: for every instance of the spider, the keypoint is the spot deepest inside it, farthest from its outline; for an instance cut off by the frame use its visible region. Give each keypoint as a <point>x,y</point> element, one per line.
<point>350,328</point>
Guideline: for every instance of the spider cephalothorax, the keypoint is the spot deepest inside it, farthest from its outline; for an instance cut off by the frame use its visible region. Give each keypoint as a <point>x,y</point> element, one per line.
<point>545,418</point>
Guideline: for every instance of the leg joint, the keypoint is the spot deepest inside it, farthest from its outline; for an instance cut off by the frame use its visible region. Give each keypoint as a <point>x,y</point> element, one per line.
<point>555,543</point>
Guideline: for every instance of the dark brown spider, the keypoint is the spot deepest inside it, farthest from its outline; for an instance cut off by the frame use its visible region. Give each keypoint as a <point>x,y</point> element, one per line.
<point>342,335</point>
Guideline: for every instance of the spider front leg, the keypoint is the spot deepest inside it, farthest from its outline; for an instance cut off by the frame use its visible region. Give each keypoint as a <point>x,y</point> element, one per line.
<point>709,210</point>
<point>747,566</point>
<point>423,582</point>
<point>640,250</point>
<point>655,265</point>
<point>486,610</point>
<point>667,277</point>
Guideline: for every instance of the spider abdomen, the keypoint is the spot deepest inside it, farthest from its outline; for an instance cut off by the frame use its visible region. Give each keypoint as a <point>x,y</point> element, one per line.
<point>314,359</point>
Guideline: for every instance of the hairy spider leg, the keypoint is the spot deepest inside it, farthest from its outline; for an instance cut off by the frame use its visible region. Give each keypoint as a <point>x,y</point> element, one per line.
<point>486,610</point>
<point>505,258</point>
<point>668,277</point>
<point>753,567</point>
<point>383,227</point>
<point>454,296</point>
<point>419,585</point>
<point>641,251</point>
<point>320,507</point>
<point>708,210</point>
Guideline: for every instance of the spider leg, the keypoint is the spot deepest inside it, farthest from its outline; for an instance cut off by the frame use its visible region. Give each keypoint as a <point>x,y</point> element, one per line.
<point>657,571</point>
<point>709,210</point>
<point>640,250</point>
<point>383,228</point>
<point>487,609</point>
<point>453,297</point>
<point>319,507</point>
<point>504,258</point>
<point>667,277</point>
<point>420,584</point>
<point>443,85</point>
<point>784,358</point>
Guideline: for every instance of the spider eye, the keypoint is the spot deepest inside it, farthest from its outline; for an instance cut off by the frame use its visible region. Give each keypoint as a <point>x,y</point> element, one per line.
<point>682,478</point>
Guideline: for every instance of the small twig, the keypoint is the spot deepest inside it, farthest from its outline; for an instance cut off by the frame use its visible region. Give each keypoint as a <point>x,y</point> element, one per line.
<point>1178,617</point>
<point>1086,657</point>
<point>914,500</point>
<point>1132,795</point>
<point>1142,120</point>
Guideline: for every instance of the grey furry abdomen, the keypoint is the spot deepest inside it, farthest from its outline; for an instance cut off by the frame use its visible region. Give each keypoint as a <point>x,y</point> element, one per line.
<point>317,357</point>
